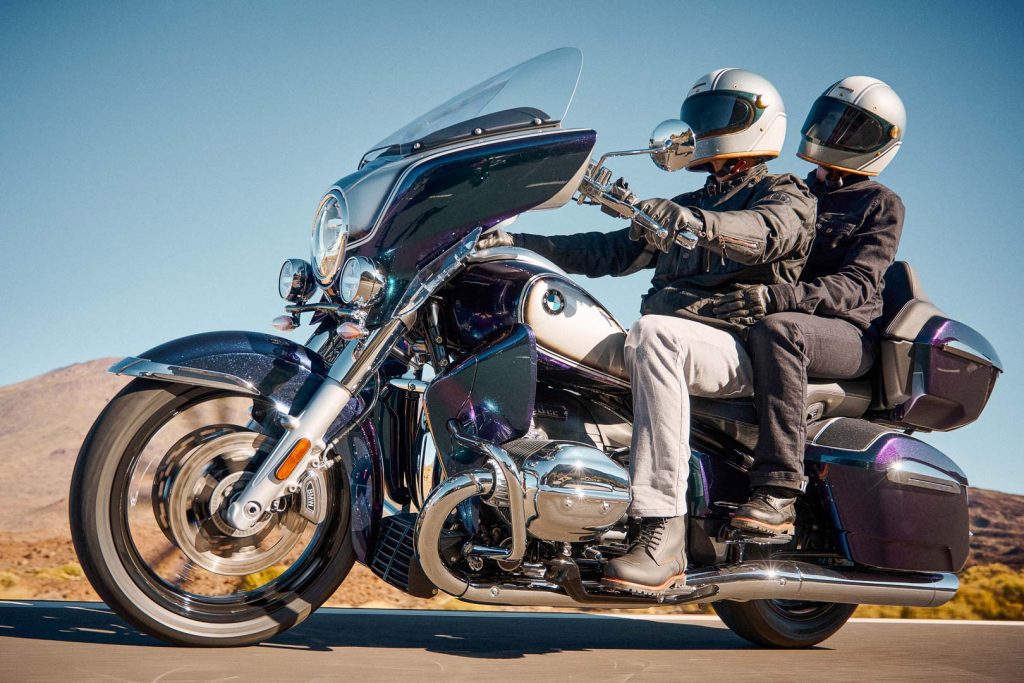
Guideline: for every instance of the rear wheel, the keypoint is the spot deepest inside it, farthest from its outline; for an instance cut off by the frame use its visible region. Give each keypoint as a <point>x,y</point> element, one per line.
<point>784,623</point>
<point>151,482</point>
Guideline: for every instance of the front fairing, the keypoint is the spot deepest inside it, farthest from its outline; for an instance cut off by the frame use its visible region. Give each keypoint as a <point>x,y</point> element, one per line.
<point>434,199</point>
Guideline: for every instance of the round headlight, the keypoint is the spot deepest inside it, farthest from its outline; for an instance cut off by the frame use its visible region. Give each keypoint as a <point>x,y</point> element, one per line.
<point>362,282</point>
<point>330,232</point>
<point>295,283</point>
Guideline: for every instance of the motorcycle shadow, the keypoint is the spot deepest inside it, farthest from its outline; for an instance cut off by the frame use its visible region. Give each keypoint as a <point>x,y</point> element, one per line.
<point>483,635</point>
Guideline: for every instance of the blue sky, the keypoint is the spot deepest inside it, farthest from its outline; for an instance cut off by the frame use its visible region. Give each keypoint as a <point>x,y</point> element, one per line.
<point>159,160</point>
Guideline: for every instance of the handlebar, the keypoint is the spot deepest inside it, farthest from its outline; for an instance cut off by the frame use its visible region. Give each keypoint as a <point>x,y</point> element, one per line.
<point>616,199</point>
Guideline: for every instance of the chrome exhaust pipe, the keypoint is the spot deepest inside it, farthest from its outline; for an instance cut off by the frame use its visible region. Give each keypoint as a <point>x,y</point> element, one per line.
<point>791,580</point>
<point>760,580</point>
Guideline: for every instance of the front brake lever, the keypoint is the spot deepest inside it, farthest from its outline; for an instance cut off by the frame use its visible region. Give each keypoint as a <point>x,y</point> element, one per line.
<point>616,199</point>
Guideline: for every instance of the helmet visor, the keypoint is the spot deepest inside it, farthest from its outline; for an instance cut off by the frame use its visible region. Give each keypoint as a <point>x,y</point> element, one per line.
<point>839,125</point>
<point>717,113</point>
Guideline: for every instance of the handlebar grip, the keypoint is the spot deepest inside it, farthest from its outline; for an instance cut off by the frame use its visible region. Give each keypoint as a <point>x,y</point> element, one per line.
<point>684,238</point>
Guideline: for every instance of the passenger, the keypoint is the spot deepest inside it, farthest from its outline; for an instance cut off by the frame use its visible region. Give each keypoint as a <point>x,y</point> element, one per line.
<point>821,326</point>
<point>754,228</point>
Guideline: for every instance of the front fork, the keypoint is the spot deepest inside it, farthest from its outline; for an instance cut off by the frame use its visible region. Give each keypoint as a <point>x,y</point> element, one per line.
<point>302,440</point>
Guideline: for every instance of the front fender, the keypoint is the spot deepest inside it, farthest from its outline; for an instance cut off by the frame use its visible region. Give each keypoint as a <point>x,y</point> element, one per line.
<point>287,374</point>
<point>247,362</point>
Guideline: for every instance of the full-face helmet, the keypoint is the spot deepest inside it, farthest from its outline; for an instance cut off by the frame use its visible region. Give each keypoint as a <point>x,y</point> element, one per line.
<point>733,114</point>
<point>856,126</point>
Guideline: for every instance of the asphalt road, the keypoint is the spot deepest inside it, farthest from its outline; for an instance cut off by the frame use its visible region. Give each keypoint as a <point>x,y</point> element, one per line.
<point>51,641</point>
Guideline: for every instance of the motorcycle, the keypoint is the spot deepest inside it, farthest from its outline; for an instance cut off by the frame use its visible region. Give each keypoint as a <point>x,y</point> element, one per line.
<point>460,419</point>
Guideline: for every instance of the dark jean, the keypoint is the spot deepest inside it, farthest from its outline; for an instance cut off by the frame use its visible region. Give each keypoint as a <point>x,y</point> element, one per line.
<point>786,349</point>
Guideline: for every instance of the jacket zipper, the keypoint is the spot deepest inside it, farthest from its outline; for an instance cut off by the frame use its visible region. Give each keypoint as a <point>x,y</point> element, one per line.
<point>749,244</point>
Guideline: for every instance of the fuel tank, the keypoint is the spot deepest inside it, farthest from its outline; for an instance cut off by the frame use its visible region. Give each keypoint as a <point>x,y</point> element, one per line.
<point>579,343</point>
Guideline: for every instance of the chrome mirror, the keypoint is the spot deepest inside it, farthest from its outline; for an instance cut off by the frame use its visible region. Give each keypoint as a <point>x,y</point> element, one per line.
<point>671,145</point>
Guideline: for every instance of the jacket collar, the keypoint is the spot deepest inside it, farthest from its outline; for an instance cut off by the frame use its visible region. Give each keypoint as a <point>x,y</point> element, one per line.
<point>715,186</point>
<point>820,189</point>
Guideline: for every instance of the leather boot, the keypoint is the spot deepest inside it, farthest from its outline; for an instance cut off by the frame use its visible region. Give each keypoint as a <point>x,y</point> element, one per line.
<point>770,511</point>
<point>656,560</point>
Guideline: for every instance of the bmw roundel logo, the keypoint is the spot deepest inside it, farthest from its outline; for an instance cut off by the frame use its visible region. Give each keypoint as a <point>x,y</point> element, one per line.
<point>553,302</point>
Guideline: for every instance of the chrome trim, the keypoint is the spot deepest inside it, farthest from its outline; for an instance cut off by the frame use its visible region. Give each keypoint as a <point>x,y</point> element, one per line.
<point>142,367</point>
<point>338,195</point>
<point>415,386</point>
<point>517,254</point>
<point>370,282</point>
<point>427,156</point>
<point>428,469</point>
<point>914,473</point>
<point>515,488</point>
<point>302,281</point>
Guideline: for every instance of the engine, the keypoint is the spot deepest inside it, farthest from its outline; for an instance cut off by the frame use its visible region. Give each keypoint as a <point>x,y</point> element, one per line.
<point>573,492</point>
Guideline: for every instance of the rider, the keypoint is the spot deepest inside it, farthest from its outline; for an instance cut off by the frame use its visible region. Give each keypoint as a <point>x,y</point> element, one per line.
<point>754,228</point>
<point>821,326</point>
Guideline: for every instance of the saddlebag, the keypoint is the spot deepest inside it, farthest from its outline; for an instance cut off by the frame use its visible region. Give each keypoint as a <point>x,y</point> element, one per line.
<point>896,502</point>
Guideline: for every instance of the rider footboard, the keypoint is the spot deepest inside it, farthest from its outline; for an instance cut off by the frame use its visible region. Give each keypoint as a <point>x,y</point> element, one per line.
<point>896,502</point>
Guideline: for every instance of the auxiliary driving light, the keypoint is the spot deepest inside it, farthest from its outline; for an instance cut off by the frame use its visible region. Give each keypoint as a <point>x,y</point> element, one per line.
<point>296,282</point>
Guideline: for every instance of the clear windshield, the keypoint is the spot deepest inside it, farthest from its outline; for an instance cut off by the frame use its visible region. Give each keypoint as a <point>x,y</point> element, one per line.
<point>539,88</point>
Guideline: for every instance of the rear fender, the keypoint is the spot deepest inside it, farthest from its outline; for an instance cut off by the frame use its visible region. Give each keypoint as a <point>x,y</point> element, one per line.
<point>286,373</point>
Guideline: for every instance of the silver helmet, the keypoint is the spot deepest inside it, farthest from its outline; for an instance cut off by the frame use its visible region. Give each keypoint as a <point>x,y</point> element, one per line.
<point>733,113</point>
<point>856,126</point>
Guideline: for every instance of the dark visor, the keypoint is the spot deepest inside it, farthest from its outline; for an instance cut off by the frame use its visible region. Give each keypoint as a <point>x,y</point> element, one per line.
<point>837,124</point>
<point>717,113</point>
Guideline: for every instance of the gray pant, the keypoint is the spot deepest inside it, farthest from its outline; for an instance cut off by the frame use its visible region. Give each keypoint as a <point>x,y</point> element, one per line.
<point>669,359</point>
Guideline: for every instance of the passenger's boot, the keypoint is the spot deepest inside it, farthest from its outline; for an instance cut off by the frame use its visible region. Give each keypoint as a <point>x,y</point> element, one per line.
<point>771,511</point>
<point>655,562</point>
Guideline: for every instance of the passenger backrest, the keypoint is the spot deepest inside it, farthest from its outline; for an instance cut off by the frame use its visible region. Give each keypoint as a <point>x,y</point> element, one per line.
<point>905,306</point>
<point>905,310</point>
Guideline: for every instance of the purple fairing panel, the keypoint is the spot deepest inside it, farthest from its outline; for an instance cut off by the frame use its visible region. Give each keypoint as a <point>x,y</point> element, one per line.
<point>953,372</point>
<point>898,504</point>
<point>361,451</point>
<point>491,392</point>
<point>487,298</point>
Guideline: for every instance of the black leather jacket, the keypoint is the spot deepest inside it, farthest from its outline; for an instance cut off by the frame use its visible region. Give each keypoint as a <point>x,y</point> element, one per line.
<point>764,226</point>
<point>858,230</point>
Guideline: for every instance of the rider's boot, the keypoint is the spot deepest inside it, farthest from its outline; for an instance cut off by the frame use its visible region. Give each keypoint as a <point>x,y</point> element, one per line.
<point>771,511</point>
<point>656,560</point>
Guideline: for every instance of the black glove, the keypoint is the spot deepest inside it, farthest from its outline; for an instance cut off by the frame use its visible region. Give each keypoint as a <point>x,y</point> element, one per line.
<point>495,238</point>
<point>745,305</point>
<point>670,216</point>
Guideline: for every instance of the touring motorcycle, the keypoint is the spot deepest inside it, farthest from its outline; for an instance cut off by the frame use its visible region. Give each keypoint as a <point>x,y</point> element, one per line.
<point>459,420</point>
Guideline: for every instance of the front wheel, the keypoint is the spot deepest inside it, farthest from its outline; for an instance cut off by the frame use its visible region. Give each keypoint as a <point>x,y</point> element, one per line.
<point>783,623</point>
<point>149,488</point>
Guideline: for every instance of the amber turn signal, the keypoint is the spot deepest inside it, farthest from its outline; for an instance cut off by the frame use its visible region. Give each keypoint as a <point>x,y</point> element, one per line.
<point>295,456</point>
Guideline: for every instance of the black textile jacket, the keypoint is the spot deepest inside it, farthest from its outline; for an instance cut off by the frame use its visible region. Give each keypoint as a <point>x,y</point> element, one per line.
<point>858,230</point>
<point>760,229</point>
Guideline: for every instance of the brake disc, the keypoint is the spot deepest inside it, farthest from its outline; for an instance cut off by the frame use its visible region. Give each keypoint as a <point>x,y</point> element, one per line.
<point>193,485</point>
